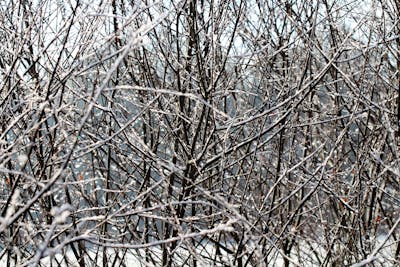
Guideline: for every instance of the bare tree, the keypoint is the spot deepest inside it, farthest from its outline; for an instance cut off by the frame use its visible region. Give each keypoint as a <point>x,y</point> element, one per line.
<point>224,133</point>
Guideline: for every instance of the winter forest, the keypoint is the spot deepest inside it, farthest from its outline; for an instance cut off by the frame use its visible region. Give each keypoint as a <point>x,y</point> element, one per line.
<point>199,133</point>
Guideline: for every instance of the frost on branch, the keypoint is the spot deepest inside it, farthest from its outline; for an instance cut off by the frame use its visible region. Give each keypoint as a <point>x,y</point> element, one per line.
<point>199,133</point>
<point>10,210</point>
<point>61,214</point>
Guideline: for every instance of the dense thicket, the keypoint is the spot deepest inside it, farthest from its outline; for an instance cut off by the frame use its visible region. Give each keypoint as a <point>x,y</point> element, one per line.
<point>196,132</point>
